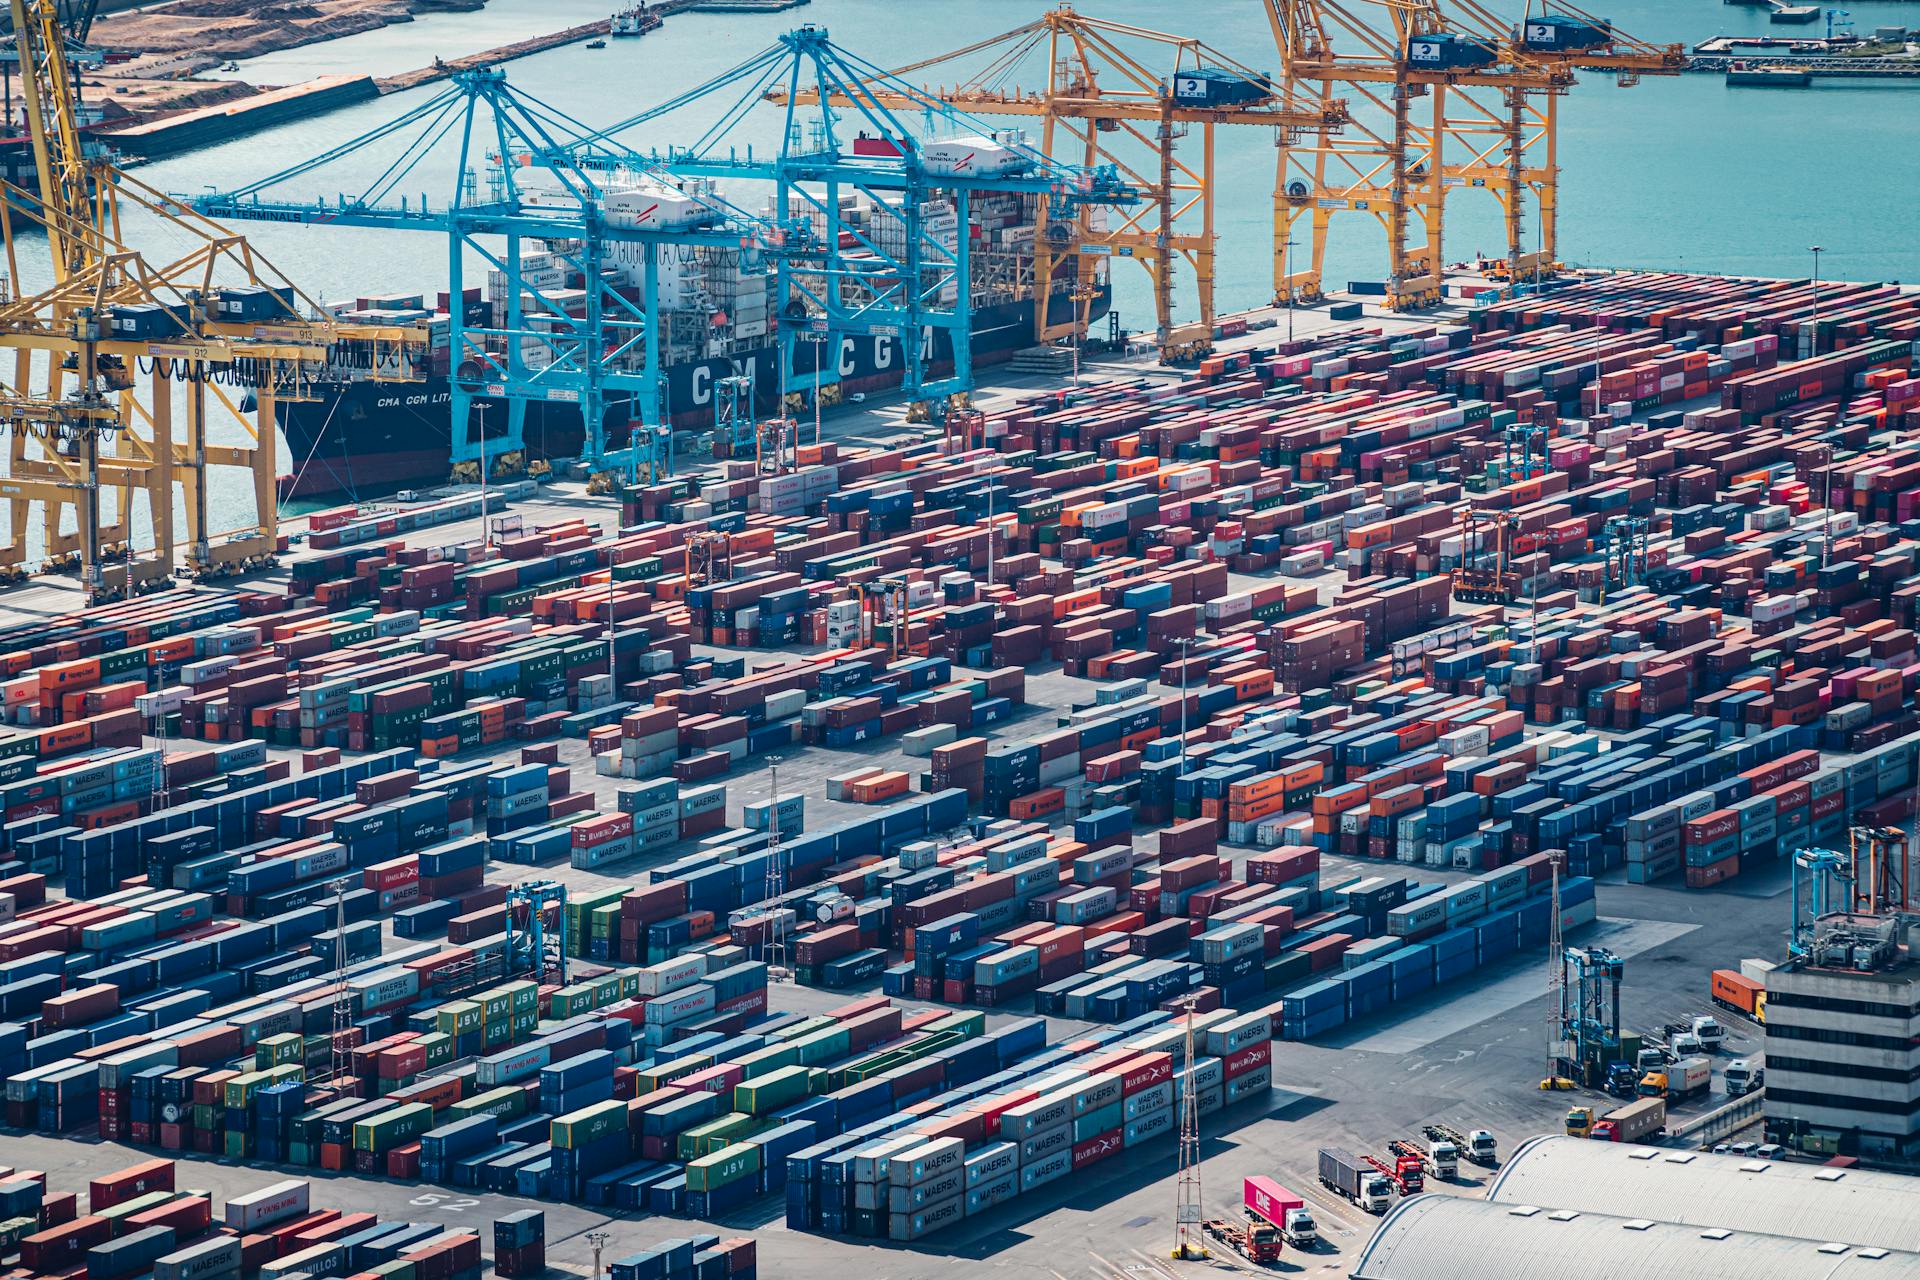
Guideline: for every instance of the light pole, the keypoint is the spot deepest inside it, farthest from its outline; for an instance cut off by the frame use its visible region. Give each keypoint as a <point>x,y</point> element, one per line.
<point>1826,516</point>
<point>1082,294</point>
<point>613,670</point>
<point>1184,642</point>
<point>989,533</point>
<point>1814,345</point>
<point>486,519</point>
<point>598,1240</point>
<point>1286,274</point>
<point>818,342</point>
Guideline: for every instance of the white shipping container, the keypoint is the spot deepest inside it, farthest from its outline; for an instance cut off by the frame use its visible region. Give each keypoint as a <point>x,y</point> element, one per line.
<point>671,975</point>
<point>272,1203</point>
<point>678,1006</point>
<point>205,1260</point>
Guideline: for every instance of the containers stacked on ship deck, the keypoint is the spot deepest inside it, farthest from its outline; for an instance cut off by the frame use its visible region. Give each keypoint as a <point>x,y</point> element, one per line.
<point>1014,1119</point>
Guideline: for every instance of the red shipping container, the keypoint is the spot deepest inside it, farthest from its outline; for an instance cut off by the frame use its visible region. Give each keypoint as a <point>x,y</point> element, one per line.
<point>135,1180</point>
<point>1145,1072</point>
<point>1096,1149</point>
<point>1257,1054</point>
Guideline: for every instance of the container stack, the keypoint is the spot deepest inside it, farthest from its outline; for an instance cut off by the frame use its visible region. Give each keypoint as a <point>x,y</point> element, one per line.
<point>520,1244</point>
<point>135,1223</point>
<point>1024,1117</point>
<point>691,1258</point>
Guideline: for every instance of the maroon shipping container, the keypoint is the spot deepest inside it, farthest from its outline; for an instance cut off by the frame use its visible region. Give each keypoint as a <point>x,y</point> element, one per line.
<point>135,1180</point>
<point>56,1248</point>
<point>80,1007</point>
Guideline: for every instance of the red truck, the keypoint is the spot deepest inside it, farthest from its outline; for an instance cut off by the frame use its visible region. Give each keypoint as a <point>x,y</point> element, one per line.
<point>1405,1173</point>
<point>1254,1240</point>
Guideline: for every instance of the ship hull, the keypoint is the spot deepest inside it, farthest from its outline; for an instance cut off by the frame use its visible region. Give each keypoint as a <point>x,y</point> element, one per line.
<point>368,438</point>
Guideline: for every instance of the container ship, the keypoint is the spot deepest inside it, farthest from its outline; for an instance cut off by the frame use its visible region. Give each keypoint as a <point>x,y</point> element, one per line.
<point>365,431</point>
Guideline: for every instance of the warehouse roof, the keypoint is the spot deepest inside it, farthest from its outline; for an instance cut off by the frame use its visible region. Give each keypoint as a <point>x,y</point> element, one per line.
<point>1806,1201</point>
<point>1445,1237</point>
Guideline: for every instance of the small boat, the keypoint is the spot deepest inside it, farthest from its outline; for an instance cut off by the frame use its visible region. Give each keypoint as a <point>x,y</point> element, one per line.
<point>596,44</point>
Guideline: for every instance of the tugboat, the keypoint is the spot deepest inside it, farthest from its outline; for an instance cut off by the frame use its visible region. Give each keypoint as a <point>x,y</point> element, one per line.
<point>596,43</point>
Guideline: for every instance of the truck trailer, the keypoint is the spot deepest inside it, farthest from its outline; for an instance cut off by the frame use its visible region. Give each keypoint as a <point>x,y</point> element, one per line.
<point>1478,1146</point>
<point>1634,1122</point>
<point>1678,1080</point>
<point>1347,1174</point>
<point>1266,1199</point>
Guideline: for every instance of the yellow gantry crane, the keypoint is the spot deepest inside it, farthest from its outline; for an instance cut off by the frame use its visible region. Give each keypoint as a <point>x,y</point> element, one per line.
<point>1109,93</point>
<point>1488,122</point>
<point>126,375</point>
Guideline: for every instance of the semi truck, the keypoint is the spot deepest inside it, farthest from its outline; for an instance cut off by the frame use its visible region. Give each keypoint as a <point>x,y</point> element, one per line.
<point>1678,1080</point>
<point>1406,1174</point>
<point>1738,993</point>
<point>1348,1175</point>
<point>1743,1076</point>
<point>1623,1080</point>
<point>1437,1156</point>
<point>1478,1146</point>
<point>1634,1122</point>
<point>1264,1198</point>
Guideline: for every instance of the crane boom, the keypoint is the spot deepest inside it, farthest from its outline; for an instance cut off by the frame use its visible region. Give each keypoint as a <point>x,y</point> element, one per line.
<point>59,155</point>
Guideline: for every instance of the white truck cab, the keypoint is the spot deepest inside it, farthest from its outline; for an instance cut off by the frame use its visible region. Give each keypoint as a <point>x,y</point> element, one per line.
<point>1743,1076</point>
<point>1300,1231</point>
<point>1711,1035</point>
<point>1376,1193</point>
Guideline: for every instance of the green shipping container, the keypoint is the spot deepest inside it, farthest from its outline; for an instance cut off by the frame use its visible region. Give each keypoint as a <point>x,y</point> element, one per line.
<point>729,1164</point>
<point>761,1095</point>
<point>506,1103</point>
<point>439,1047</point>
<point>801,1030</point>
<point>968,1025</point>
<point>398,1269</point>
<point>704,1139</point>
<point>578,1128</point>
<point>279,1050</point>
<point>767,1060</point>
<point>389,1129</point>
<point>655,1077</point>
<point>118,1213</point>
<point>823,1047</point>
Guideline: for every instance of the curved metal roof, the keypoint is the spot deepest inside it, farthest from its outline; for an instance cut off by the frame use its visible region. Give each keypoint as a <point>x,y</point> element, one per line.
<point>1804,1201</point>
<point>1447,1237</point>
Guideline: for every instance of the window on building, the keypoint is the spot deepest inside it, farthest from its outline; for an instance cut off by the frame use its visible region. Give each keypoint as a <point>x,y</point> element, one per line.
<point>1829,1004</point>
<point>1826,1035</point>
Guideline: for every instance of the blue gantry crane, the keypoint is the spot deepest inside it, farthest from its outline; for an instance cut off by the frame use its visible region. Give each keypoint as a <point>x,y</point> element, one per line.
<point>905,276</point>
<point>602,220</point>
<point>568,332</point>
<point>532,947</point>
